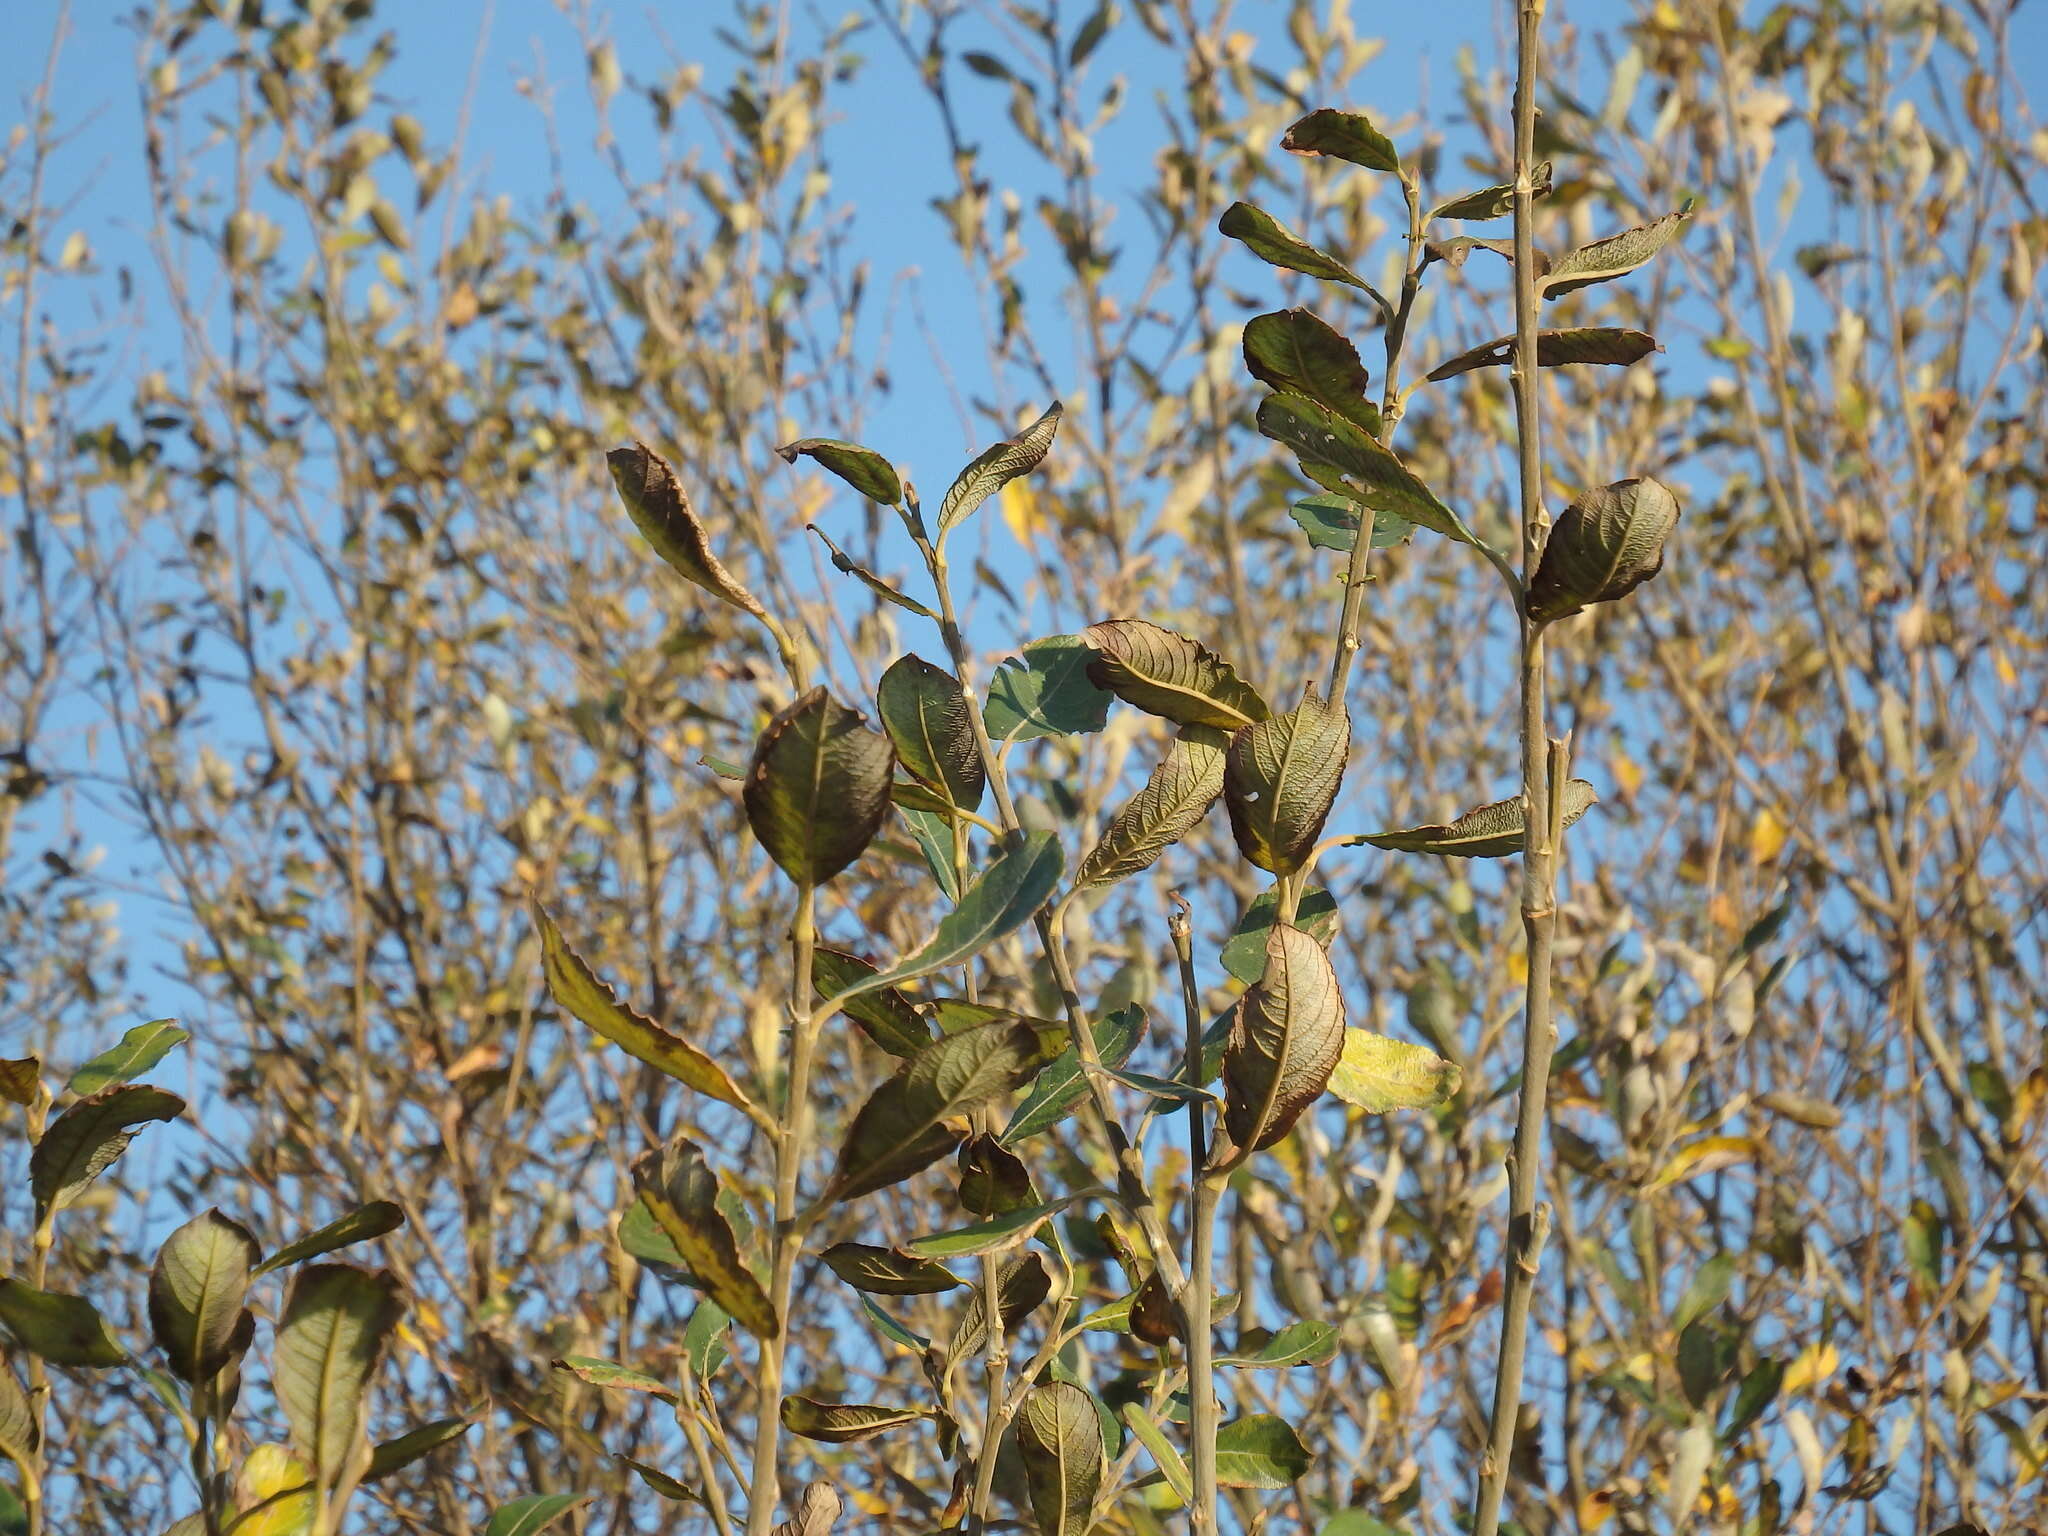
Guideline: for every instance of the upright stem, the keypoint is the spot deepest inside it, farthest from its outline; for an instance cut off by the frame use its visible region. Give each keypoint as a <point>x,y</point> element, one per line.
<point>1199,1297</point>
<point>792,1136</point>
<point>35,1468</point>
<point>1543,771</point>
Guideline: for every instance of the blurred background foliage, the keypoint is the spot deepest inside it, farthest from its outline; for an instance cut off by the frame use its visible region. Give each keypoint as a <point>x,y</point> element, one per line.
<point>321,646</point>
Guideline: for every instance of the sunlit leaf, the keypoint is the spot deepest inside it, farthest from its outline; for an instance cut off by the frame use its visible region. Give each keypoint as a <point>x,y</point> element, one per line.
<point>1344,136</point>
<point>1170,675</point>
<point>885,1016</point>
<point>816,1510</point>
<point>998,1232</point>
<point>140,1049</point>
<point>1709,1154</point>
<point>926,714</point>
<point>401,1451</point>
<point>1260,1450</point>
<point>1303,1343</point>
<point>1280,780</point>
<point>1244,952</point>
<point>1022,1284</point>
<point>1296,353</point>
<point>1492,831</point>
<point>18,1436</point>
<point>1060,1444</point>
<point>817,787</point>
<point>1611,257</point>
<point>844,1423</point>
<point>1062,1085</point>
<point>20,1075</point>
<point>1164,1455</point>
<point>613,1377</point>
<point>1045,690</point>
<point>1340,457</point>
<point>1332,522</point>
<point>196,1290</point>
<point>1380,1075</point>
<point>1609,346</point>
<point>1286,1036</point>
<point>996,467</point>
<point>680,1192</point>
<point>1271,241</point>
<point>847,565</point>
<point>359,1226</point>
<point>655,501</point>
<point>64,1330</point>
<point>862,468</point>
<point>1602,547</point>
<point>1001,899</point>
<point>337,1320</point>
<point>532,1514</point>
<point>83,1142</point>
<point>1492,202</point>
<point>1708,1289</point>
<point>1173,802</point>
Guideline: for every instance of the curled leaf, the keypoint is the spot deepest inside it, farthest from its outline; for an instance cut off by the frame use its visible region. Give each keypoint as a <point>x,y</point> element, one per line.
<point>1298,354</point>
<point>679,1190</point>
<point>1493,831</point>
<point>925,711</point>
<point>862,468</point>
<point>1602,547</point>
<point>655,501</point>
<point>1610,346</point>
<point>885,1016</point>
<point>1170,675</point>
<point>1273,242</point>
<point>1344,136</point>
<point>1172,804</point>
<point>1612,257</point>
<point>888,1271</point>
<point>1340,457</point>
<point>844,1423</point>
<point>84,1141</point>
<point>996,467</point>
<point>1492,202</point>
<point>1286,1036</point>
<point>1280,780</point>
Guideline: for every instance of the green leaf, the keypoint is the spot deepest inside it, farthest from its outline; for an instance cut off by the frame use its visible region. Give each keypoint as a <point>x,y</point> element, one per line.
<point>1380,1075</point>
<point>1492,202</point>
<point>1285,1039</point>
<point>1273,242</point>
<point>1022,1284</point>
<point>1045,690</point>
<point>817,787</point>
<point>1172,804</point>
<point>393,1455</point>
<point>926,713</point>
<point>704,1345</point>
<point>14,1518</point>
<point>579,991</point>
<point>906,1124</point>
<point>1612,257</point>
<point>1167,1459</point>
<point>1260,1450</point>
<point>1492,831</point>
<point>1298,354</point>
<point>847,565</point>
<point>337,1320</point>
<point>844,1423</point>
<point>1331,522</point>
<point>1304,1343</point>
<point>1000,900</point>
<point>1602,547</point>
<point>679,1190</point>
<point>668,1487</point>
<point>1346,136</point>
<point>536,1512</point>
<point>888,1271</point>
<point>83,1142</point>
<point>862,468</point>
<point>885,1016</point>
<point>1356,1522</point>
<point>1062,1085</point>
<point>64,1330</point>
<point>1280,780</point>
<point>1060,1444</point>
<point>932,831</point>
<point>1758,1391</point>
<point>610,1376</point>
<point>1339,457</point>
<point>655,501</point>
<point>998,1233</point>
<point>358,1226</point>
<point>196,1291</point>
<point>1709,1288</point>
<point>1611,346</point>
<point>18,1437</point>
<point>140,1049</point>
<point>996,467</point>
<point>1244,952</point>
<point>1169,1090</point>
<point>1170,675</point>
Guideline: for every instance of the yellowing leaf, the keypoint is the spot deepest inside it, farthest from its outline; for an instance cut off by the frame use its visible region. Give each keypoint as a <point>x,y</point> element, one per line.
<point>1705,1156</point>
<point>1024,512</point>
<point>1814,1365</point>
<point>1766,837</point>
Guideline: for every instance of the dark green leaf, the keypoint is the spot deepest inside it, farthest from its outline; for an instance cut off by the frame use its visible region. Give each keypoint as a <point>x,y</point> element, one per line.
<point>1611,346</point>
<point>1280,780</point>
<point>1296,1344</point>
<point>389,1456</point>
<point>1001,899</point>
<point>932,830</point>
<point>1061,1085</point>
<point>996,467</point>
<point>1492,831</point>
<point>1339,457</point>
<point>1603,546</point>
<point>908,1122</point>
<point>1285,1040</point>
<point>358,1226</point>
<point>1022,1284</point>
<point>337,1320</point>
<point>1758,1391</point>
<point>885,1016</point>
<point>1170,675</point>
<point>1298,354</point>
<point>140,1049</point>
<point>888,1271</point>
<point>927,716</point>
<point>196,1291</point>
<point>1709,1288</point>
<point>1612,257</point>
<point>680,1192</point>
<point>83,1142</point>
<point>993,1180</point>
<point>845,563</point>
<point>1331,522</point>
<point>1244,952</point>
<point>585,996</point>
<point>532,1514</point>
<point>1271,241</point>
<point>1172,804</point>
<point>704,1345</point>
<point>862,468</point>
<point>817,787</point>
<point>668,1487</point>
<point>1060,1443</point>
<point>1008,1230</point>
<point>844,1423</point>
<point>655,501</point>
<point>1346,136</point>
<point>1046,691</point>
<point>64,1330</point>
